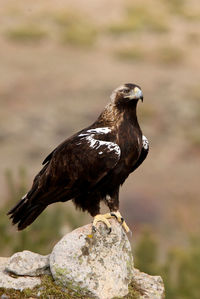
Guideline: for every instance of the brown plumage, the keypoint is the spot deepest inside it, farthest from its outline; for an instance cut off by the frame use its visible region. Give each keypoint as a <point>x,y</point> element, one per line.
<point>91,165</point>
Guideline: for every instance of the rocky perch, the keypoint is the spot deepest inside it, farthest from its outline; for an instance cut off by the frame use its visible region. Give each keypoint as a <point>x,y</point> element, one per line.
<point>82,264</point>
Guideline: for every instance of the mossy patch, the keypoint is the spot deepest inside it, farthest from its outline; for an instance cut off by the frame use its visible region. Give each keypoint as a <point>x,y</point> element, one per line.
<point>49,288</point>
<point>46,289</point>
<point>134,292</point>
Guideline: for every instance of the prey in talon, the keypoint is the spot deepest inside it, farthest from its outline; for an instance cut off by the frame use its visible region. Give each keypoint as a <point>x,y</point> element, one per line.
<point>90,166</point>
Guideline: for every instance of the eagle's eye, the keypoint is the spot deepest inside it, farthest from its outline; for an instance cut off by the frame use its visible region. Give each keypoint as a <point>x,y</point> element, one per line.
<point>125,90</point>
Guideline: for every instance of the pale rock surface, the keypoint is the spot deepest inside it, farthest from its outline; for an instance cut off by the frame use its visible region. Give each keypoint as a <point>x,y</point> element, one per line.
<point>100,263</point>
<point>19,283</point>
<point>151,287</point>
<point>28,263</point>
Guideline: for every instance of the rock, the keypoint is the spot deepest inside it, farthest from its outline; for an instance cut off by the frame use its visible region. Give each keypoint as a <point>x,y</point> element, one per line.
<point>28,263</point>
<point>20,283</point>
<point>100,264</point>
<point>149,286</point>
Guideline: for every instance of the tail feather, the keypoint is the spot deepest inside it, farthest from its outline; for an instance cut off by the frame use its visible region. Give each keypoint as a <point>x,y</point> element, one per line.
<point>25,212</point>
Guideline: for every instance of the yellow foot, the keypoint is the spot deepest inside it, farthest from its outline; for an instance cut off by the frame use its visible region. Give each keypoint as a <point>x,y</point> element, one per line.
<point>121,220</point>
<point>104,218</point>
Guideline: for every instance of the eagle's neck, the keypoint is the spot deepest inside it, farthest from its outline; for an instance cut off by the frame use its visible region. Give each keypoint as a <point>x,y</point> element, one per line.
<point>114,114</point>
<point>130,113</point>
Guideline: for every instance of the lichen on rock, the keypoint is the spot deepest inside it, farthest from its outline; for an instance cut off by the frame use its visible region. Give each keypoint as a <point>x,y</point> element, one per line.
<point>16,283</point>
<point>98,263</point>
<point>28,263</point>
<point>82,265</point>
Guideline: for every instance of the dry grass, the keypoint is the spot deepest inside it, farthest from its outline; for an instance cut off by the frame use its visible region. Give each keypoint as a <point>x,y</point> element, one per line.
<point>75,29</point>
<point>183,10</point>
<point>170,55</point>
<point>67,27</point>
<point>193,137</point>
<point>175,6</point>
<point>79,35</point>
<point>193,38</point>
<point>26,33</point>
<point>140,18</point>
<point>130,54</point>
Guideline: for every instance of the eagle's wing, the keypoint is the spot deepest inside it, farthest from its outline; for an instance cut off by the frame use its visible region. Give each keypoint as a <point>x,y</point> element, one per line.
<point>74,167</point>
<point>81,161</point>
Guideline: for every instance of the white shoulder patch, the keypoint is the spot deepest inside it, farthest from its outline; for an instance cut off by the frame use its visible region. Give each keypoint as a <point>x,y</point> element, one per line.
<point>145,142</point>
<point>104,130</point>
<point>96,144</point>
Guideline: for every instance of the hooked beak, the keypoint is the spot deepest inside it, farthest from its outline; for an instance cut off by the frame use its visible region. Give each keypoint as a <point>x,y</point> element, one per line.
<point>136,94</point>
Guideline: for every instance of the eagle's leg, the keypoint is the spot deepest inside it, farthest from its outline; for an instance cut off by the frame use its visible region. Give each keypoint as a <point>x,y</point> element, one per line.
<point>113,204</point>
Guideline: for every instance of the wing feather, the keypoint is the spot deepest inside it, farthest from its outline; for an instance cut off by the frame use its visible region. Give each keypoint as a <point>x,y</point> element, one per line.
<point>79,163</point>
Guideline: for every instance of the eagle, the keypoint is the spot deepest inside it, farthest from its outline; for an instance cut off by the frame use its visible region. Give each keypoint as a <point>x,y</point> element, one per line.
<point>90,166</point>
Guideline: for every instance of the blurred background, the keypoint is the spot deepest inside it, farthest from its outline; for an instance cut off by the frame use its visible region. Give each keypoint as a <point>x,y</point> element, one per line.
<point>59,61</point>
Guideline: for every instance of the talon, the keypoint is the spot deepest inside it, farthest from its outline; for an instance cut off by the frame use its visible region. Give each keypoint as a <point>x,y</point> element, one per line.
<point>113,214</point>
<point>121,220</point>
<point>103,218</point>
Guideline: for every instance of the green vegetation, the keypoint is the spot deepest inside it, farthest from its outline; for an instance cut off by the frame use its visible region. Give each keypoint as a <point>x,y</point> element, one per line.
<point>178,7</point>
<point>146,254</point>
<point>48,288</point>
<point>134,292</point>
<point>180,270</point>
<point>26,33</point>
<point>66,26</point>
<point>75,30</point>
<point>140,18</point>
<point>79,35</point>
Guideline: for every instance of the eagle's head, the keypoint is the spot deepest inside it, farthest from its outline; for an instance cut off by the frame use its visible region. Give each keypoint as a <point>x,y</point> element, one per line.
<point>126,93</point>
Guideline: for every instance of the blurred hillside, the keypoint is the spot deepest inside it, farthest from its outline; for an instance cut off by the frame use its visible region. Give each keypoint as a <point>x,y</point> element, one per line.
<point>59,63</point>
